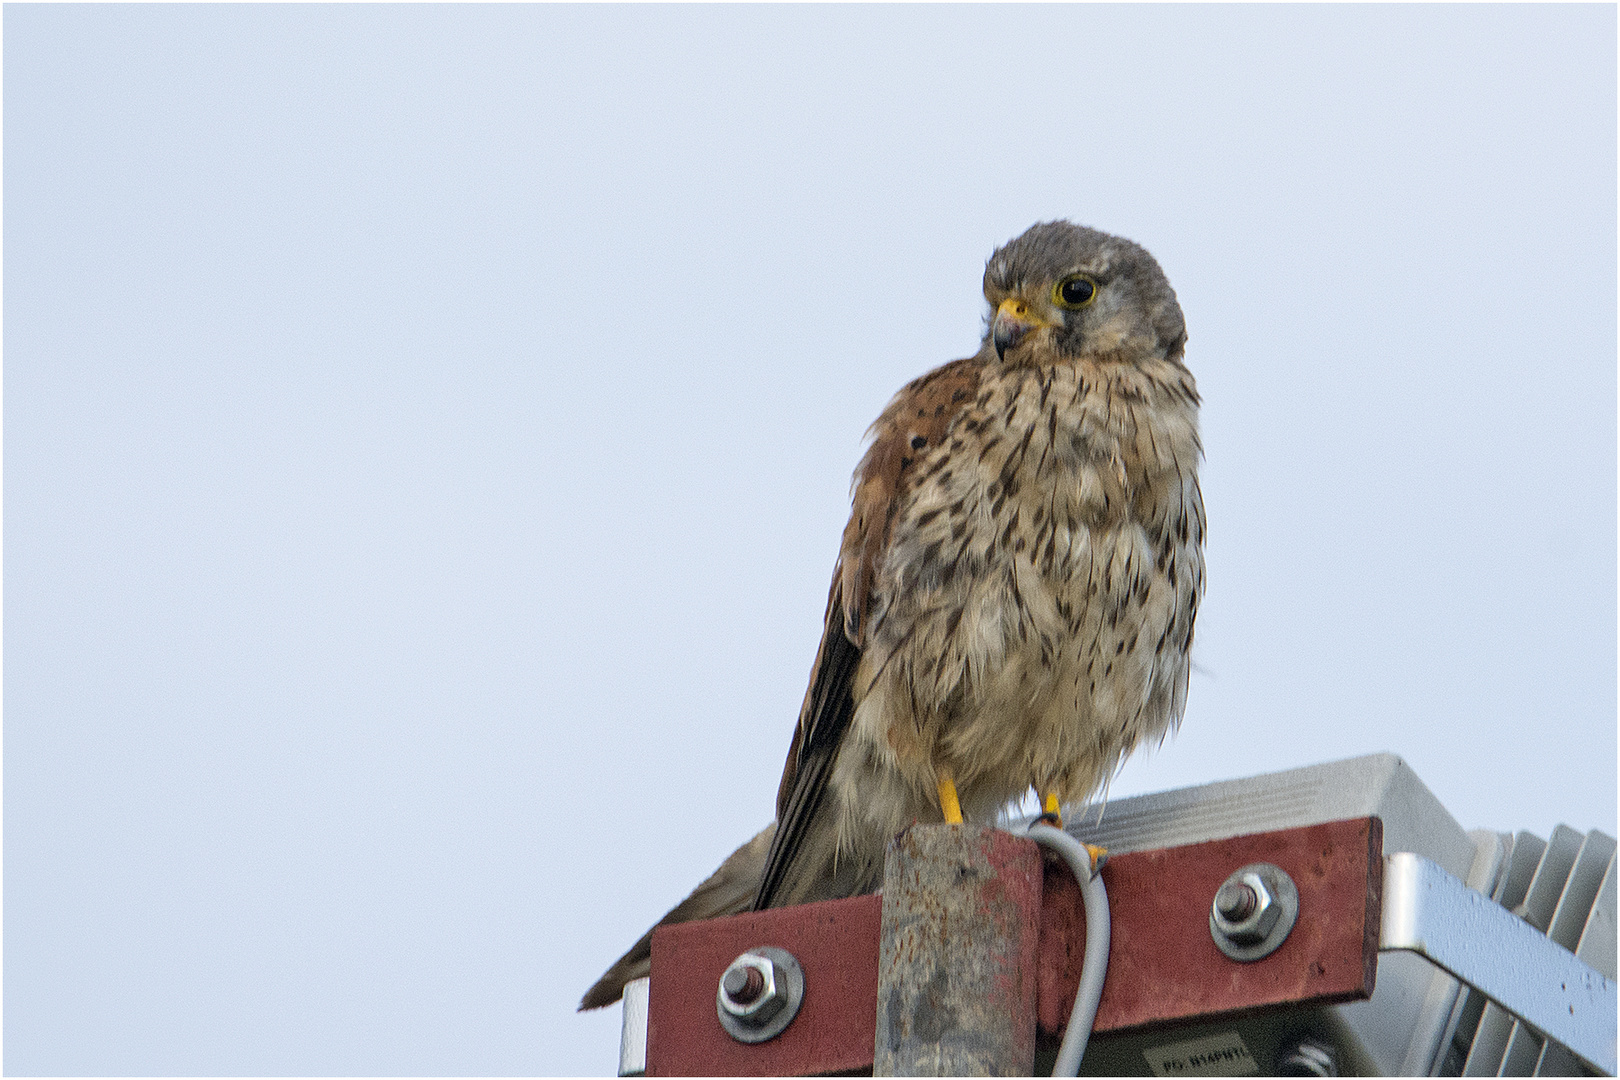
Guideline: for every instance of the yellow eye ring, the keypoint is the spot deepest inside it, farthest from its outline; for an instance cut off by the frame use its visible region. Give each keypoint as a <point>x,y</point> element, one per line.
<point>1074,291</point>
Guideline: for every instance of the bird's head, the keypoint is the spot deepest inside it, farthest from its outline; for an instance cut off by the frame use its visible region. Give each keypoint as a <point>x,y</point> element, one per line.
<point>1062,291</point>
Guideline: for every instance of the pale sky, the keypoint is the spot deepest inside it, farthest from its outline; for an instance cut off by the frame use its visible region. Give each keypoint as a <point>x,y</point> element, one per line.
<point>428,432</point>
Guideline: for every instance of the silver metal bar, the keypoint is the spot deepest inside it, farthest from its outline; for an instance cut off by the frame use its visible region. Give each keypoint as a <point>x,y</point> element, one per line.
<point>1431,913</point>
<point>633,1035</point>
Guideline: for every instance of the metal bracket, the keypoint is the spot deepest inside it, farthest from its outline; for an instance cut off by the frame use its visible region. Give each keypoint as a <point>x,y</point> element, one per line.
<point>1431,913</point>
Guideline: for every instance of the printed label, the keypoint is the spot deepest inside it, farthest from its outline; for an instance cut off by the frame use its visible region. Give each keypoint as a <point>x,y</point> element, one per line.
<point>1214,1055</point>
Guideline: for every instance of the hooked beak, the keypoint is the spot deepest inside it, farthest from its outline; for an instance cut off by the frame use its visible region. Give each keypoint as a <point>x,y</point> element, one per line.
<point>1013,320</point>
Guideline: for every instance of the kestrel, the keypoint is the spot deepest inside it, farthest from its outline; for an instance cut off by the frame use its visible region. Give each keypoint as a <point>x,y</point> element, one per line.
<point>1014,597</point>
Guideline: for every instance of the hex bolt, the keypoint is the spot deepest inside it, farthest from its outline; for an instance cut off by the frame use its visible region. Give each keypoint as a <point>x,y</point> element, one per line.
<point>1253,911</point>
<point>1235,902</point>
<point>750,989</point>
<point>1261,916</point>
<point>1308,1058</point>
<point>759,994</point>
<point>742,984</point>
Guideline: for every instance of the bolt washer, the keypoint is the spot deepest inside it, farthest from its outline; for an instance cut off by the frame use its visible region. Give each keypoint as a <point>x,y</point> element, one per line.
<point>793,975</point>
<point>1284,894</point>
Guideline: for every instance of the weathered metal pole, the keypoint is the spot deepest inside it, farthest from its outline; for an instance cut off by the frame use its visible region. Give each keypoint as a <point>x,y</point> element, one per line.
<point>957,955</point>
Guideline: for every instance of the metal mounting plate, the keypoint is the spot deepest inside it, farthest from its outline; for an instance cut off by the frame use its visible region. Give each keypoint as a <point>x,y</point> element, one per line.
<point>1163,967</point>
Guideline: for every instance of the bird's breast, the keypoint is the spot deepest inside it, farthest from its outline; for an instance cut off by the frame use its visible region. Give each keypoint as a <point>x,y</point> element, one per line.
<point>1028,563</point>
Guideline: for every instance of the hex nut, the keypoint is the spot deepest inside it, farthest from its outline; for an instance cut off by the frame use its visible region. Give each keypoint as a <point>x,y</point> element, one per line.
<point>751,1017</point>
<point>1266,912</point>
<point>1267,922</point>
<point>1261,918</point>
<point>761,1007</point>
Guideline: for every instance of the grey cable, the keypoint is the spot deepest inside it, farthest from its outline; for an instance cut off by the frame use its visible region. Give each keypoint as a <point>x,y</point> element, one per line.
<point>1095,965</point>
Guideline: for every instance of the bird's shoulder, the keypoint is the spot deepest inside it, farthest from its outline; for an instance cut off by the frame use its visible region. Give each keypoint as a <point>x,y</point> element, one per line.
<point>916,419</point>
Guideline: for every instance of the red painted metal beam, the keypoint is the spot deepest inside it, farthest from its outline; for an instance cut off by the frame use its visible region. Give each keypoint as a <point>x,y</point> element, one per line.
<point>1163,965</point>
<point>835,942</point>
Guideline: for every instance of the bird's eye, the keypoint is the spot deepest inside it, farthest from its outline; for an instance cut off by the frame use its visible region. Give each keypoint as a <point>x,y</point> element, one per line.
<point>1074,292</point>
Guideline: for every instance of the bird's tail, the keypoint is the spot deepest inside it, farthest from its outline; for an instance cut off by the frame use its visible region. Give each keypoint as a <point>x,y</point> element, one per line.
<point>728,891</point>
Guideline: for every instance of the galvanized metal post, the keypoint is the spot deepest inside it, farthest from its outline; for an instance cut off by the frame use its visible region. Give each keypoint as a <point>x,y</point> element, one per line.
<point>957,954</point>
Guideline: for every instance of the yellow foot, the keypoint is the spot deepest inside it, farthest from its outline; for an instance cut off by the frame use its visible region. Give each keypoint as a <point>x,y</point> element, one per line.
<point>1099,855</point>
<point>947,800</point>
<point>1051,809</point>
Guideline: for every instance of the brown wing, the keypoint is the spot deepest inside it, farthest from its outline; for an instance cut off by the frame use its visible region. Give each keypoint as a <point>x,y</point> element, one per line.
<point>915,421</point>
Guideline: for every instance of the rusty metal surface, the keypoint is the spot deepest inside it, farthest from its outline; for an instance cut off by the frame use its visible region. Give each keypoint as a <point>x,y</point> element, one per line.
<point>1165,966</point>
<point>956,970</point>
<point>835,942</point>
